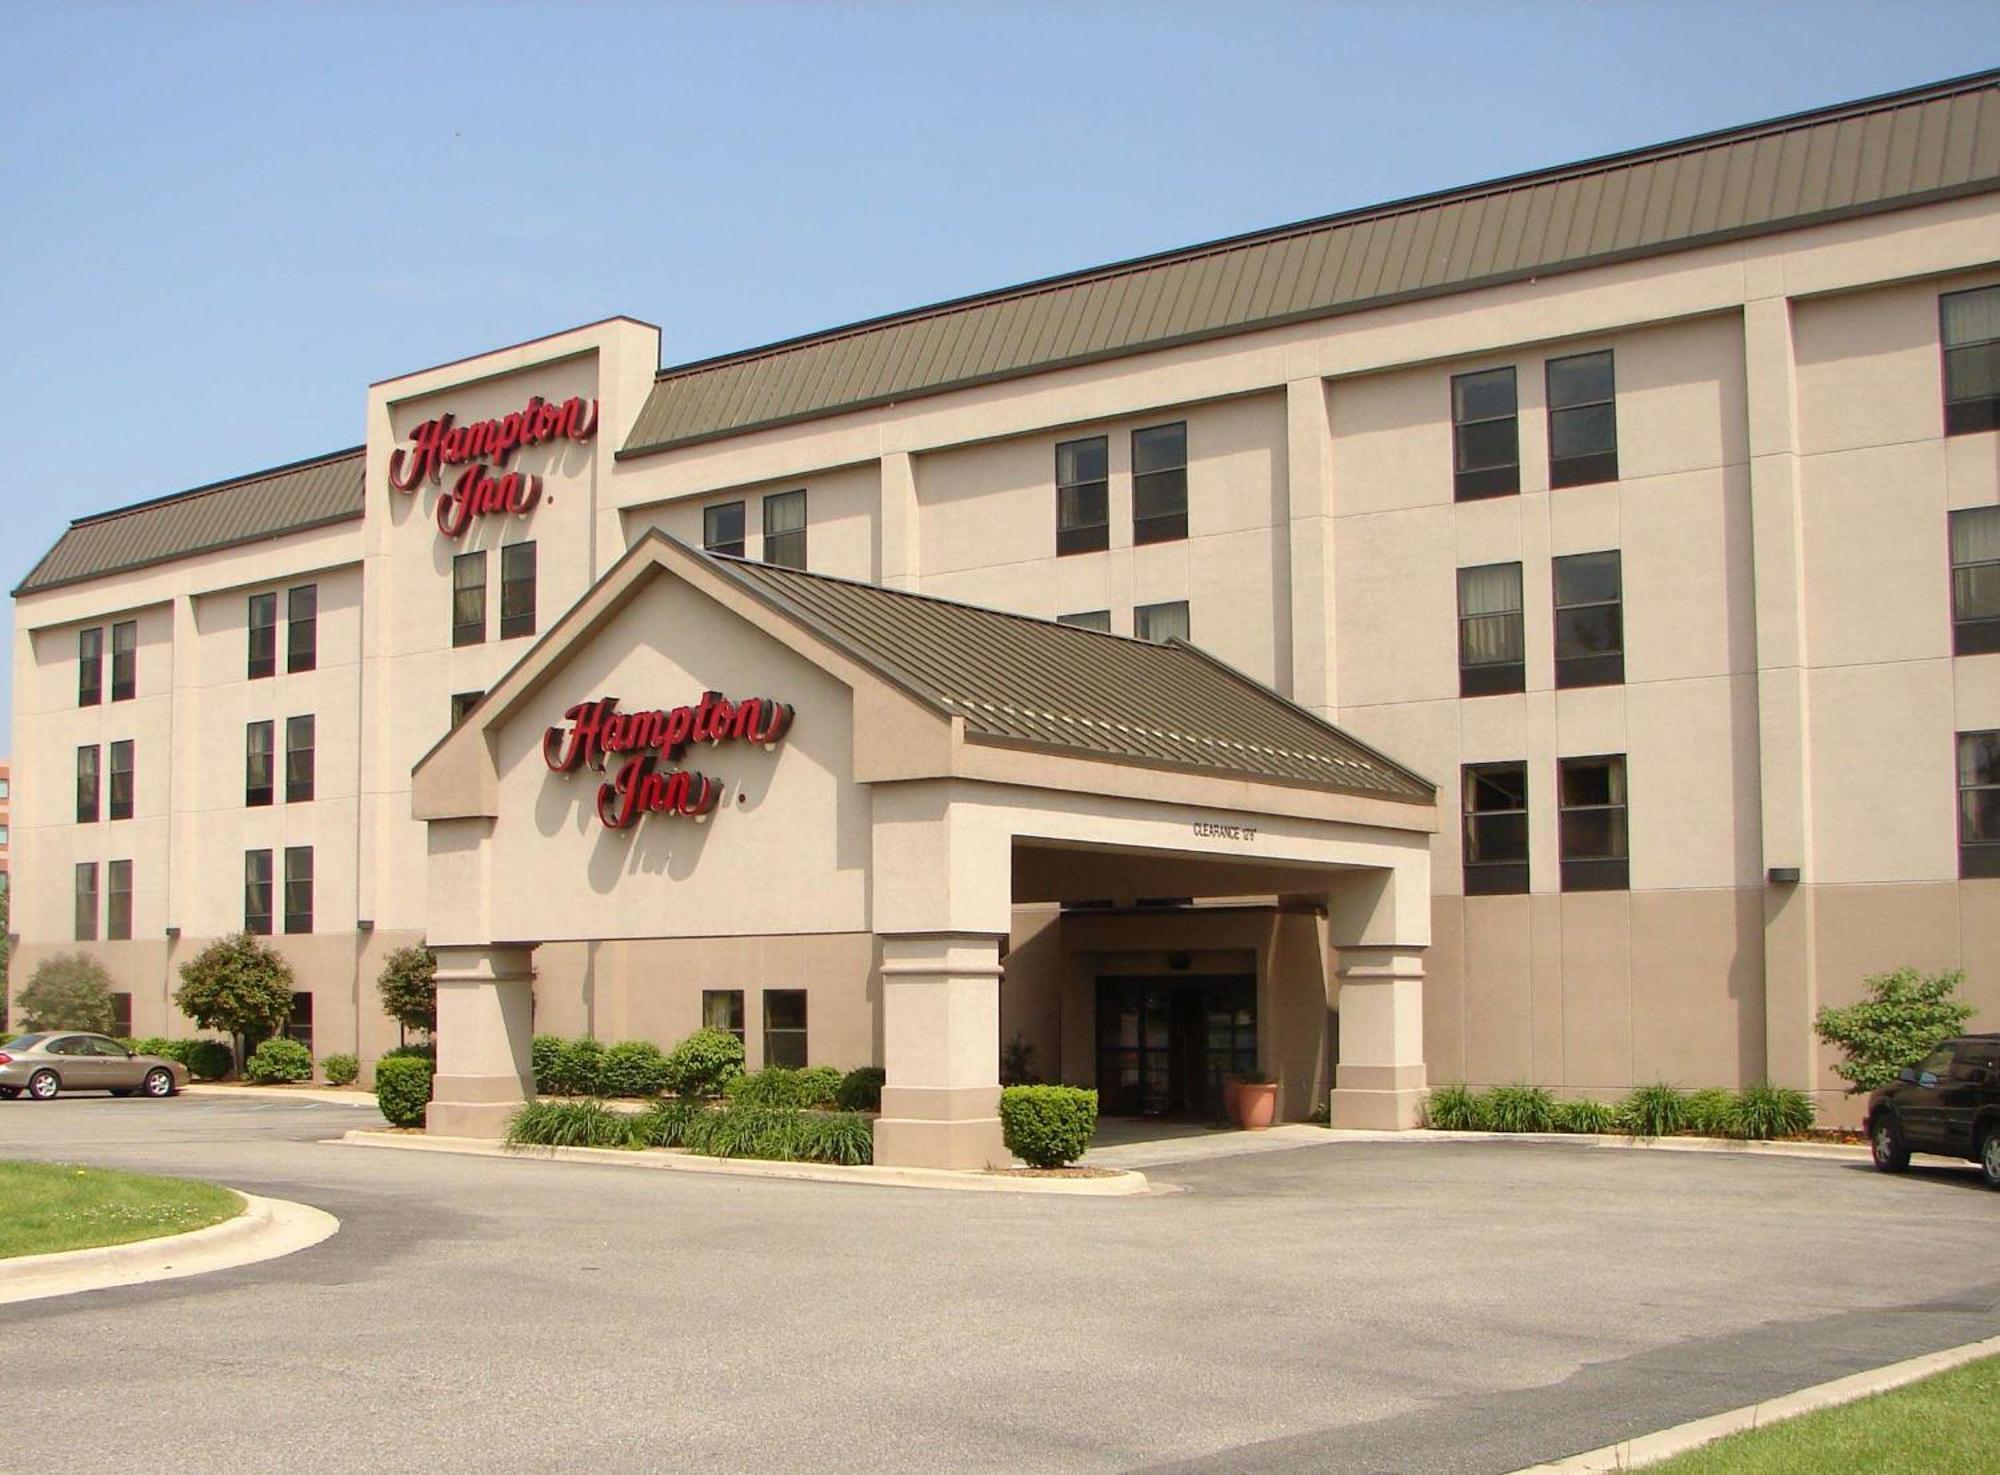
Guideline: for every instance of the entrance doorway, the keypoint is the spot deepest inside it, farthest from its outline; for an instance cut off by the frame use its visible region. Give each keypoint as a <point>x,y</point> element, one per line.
<point>1165,1045</point>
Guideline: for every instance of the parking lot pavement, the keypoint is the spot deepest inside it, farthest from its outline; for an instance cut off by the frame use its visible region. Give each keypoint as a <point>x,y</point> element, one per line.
<point>1462,1308</point>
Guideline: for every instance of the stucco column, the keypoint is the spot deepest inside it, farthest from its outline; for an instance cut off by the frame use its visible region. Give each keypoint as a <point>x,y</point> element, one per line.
<point>485,1014</point>
<point>1379,1083</point>
<point>941,1049</point>
<point>1309,563</point>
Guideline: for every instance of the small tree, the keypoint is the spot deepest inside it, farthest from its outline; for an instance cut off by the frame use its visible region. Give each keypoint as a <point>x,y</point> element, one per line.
<point>239,985</point>
<point>1906,1015</point>
<point>68,991</point>
<point>409,988</point>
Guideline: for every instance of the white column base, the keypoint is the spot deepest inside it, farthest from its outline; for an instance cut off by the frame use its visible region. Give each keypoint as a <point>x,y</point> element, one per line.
<point>941,1047</point>
<point>486,1071</point>
<point>1380,1084</point>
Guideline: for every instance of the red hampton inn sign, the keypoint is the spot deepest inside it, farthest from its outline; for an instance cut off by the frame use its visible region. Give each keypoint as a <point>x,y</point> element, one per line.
<point>477,491</point>
<point>598,730</point>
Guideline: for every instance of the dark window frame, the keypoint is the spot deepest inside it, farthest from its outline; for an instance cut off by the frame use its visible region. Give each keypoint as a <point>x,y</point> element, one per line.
<point>84,917</point>
<point>1507,875</point>
<point>776,1035</point>
<point>302,628</point>
<point>1084,528</point>
<point>125,661</point>
<point>1486,678</point>
<point>121,781</point>
<point>118,901</point>
<point>298,890</point>
<point>1088,619</point>
<point>517,590</point>
<point>1973,413</point>
<point>260,625</point>
<point>258,892</point>
<point>299,1023</point>
<point>1143,614</point>
<point>121,1014</point>
<point>729,1004</point>
<point>301,773</point>
<point>1583,666</point>
<point>778,550</point>
<point>258,794</point>
<point>90,667</point>
<point>1159,527</point>
<point>729,547</point>
<point>1493,478</point>
<point>468,626</point>
<point>89,783</point>
<point>1973,634</point>
<point>1583,868</point>
<point>1978,803</point>
<point>462,703</point>
<point>1582,468</point>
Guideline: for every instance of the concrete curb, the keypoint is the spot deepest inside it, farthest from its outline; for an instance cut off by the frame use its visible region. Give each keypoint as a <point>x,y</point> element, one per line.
<point>266,1229</point>
<point>327,1094</point>
<point>1836,1151</point>
<point>1125,1185</point>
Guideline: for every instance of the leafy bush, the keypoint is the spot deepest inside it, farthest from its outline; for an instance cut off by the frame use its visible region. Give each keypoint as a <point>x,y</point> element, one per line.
<point>545,1051</point>
<point>403,1089</point>
<point>426,1051</point>
<point>1586,1116</point>
<point>776,1086</point>
<point>667,1123</point>
<point>239,985</point>
<point>579,1068</point>
<point>1047,1126</point>
<point>1521,1108</point>
<point>1658,1110</point>
<point>279,1061</point>
<point>569,1124</point>
<point>1456,1109</point>
<point>1763,1112</point>
<point>206,1060</point>
<point>1906,1015</point>
<point>341,1070</point>
<point>633,1068</point>
<point>861,1090</point>
<point>158,1045</point>
<point>408,985</point>
<point>704,1063</point>
<point>1712,1112</point>
<point>819,1085</point>
<point>66,991</point>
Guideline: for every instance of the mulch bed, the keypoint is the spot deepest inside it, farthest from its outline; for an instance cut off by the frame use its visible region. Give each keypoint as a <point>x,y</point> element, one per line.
<point>1055,1173</point>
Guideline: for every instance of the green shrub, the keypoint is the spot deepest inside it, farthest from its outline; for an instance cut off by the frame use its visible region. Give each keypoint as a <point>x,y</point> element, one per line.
<point>704,1063</point>
<point>819,1086</point>
<point>1657,1110</point>
<point>1763,1112</point>
<point>279,1061</point>
<point>1586,1116</point>
<point>861,1090</point>
<point>579,1068</point>
<point>771,1133</point>
<point>1047,1126</point>
<point>1521,1108</point>
<point>633,1068</point>
<point>403,1089</point>
<point>1456,1109</point>
<point>341,1070</point>
<point>667,1123</point>
<point>426,1051</point>
<point>157,1045</point>
<point>1711,1112</point>
<point>570,1124</point>
<point>206,1060</point>
<point>545,1051</point>
<point>837,1137</point>
<point>1906,1015</point>
<point>795,1090</point>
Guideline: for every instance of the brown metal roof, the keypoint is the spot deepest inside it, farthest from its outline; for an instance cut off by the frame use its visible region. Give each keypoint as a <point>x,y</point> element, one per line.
<point>1034,682</point>
<point>1881,153</point>
<point>224,514</point>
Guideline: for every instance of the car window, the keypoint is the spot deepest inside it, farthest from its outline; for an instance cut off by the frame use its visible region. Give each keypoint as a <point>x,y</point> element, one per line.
<point>23,1042</point>
<point>110,1048</point>
<point>72,1045</point>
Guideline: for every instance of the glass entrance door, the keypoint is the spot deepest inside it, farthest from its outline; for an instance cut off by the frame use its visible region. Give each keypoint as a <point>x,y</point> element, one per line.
<point>1164,1045</point>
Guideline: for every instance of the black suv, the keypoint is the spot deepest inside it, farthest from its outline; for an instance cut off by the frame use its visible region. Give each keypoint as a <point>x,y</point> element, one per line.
<point>1949,1105</point>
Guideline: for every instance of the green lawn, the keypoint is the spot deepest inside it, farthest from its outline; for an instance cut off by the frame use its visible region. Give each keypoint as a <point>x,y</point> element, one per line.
<point>46,1207</point>
<point>1945,1425</point>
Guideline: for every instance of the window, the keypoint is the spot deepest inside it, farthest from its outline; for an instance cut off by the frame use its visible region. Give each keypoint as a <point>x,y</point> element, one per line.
<point>3,790</point>
<point>121,1016</point>
<point>302,628</point>
<point>121,784</point>
<point>1969,324</point>
<point>298,888</point>
<point>257,892</point>
<point>1979,803</point>
<point>1161,622</point>
<point>722,528</point>
<point>722,1009</point>
<point>1592,798</point>
<point>1083,495</point>
<point>1485,436</point>
<point>299,765</point>
<point>3,838</point>
<point>259,764</point>
<point>468,598</point>
<point>124,660</point>
<point>517,590</point>
<point>1496,828</point>
<point>86,785</point>
<point>118,901</point>
<point>1089,619</point>
<point>462,703</point>
<point>785,529</point>
<point>1583,420</point>
<point>785,1028</point>
<point>86,901</point>
<point>262,626</point>
<point>1159,484</point>
<point>1590,620</point>
<point>1491,648</point>
<point>300,1026</point>
<point>89,667</point>
<point>1975,581</point>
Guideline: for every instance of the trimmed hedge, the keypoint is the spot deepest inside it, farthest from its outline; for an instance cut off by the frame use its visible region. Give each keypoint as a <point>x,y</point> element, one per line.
<point>701,1065</point>
<point>279,1062</point>
<point>633,1068</point>
<point>861,1090</point>
<point>403,1089</point>
<point>341,1070</point>
<point>704,1063</point>
<point>1757,1113</point>
<point>1048,1126</point>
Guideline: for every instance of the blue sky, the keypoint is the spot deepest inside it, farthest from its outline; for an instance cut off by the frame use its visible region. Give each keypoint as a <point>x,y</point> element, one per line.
<point>218,224</point>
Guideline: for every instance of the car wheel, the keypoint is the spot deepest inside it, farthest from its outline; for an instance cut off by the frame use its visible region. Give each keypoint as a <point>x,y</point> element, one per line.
<point>159,1083</point>
<point>1989,1156</point>
<point>1886,1144</point>
<point>43,1085</point>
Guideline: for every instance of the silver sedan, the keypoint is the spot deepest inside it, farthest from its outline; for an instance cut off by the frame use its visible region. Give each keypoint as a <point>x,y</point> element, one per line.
<point>44,1064</point>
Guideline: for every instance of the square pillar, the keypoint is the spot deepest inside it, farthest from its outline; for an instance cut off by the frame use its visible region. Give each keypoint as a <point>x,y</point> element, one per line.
<point>1379,1082</point>
<point>485,1014</point>
<point>941,1049</point>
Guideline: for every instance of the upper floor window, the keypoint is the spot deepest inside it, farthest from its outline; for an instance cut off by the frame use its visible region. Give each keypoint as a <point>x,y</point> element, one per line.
<point>1491,646</point>
<point>1089,619</point>
<point>118,901</point>
<point>87,784</point>
<point>299,759</point>
<point>86,901</point>
<point>785,1027</point>
<point>468,598</point>
<point>1083,495</point>
<point>1979,803</point>
<point>298,888</point>
<point>122,782</point>
<point>1495,819</point>
<point>124,660</point>
<point>1485,435</point>
<point>1583,420</point>
<point>1161,622</point>
<point>1975,581</point>
<point>259,763</point>
<point>1159,484</point>
<point>1592,820</point>
<point>90,667</point>
<point>257,892</point>
<point>302,628</point>
<point>785,529</point>
<point>722,528</point>
<point>1590,620</point>
<point>462,703</point>
<point>1969,325</point>
<point>517,590</point>
<point>261,625</point>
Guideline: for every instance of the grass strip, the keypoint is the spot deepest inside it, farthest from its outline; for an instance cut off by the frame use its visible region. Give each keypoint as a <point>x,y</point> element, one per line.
<point>48,1207</point>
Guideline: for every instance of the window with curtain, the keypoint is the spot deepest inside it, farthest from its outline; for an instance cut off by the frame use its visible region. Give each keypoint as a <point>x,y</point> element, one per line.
<point>1583,420</point>
<point>259,763</point>
<point>468,598</point>
<point>722,1010</point>
<point>122,783</point>
<point>785,529</point>
<point>124,660</point>
<point>1592,823</point>
<point>302,628</point>
<point>1159,484</point>
<point>785,1027</point>
<point>1979,804</point>
<point>517,590</point>
<point>300,738</point>
<point>86,901</point>
<point>1161,622</point>
<point>722,528</point>
<point>1495,828</point>
<point>261,626</point>
<point>298,888</point>
<point>1975,581</point>
<point>257,892</point>
<point>1485,435</point>
<point>118,901</point>
<point>1491,644</point>
<point>1969,327</point>
<point>87,786</point>
<point>1088,619</point>
<point>1590,620</point>
<point>90,667</point>
<point>1083,495</point>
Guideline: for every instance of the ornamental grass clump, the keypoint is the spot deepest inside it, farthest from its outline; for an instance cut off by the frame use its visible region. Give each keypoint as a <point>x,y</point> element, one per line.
<point>1764,1112</point>
<point>569,1124</point>
<point>668,1123</point>
<point>1586,1116</point>
<point>844,1137</point>
<point>1711,1112</point>
<point>1456,1109</point>
<point>1048,1126</point>
<point>1658,1110</point>
<point>1520,1108</point>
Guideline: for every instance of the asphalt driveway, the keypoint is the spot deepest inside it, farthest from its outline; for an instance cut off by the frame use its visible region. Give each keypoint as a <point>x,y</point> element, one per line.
<point>1364,1308</point>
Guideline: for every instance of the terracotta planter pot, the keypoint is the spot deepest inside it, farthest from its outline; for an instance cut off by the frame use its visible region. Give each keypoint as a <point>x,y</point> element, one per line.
<point>1255,1105</point>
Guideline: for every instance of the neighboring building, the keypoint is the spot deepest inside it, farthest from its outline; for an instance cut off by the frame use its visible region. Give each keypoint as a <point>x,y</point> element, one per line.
<point>1649,507</point>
